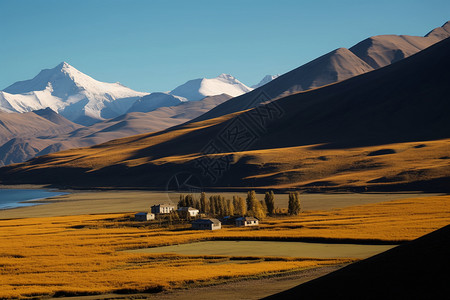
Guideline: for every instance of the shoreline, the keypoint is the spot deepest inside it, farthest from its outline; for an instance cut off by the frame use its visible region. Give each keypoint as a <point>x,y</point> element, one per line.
<point>37,200</point>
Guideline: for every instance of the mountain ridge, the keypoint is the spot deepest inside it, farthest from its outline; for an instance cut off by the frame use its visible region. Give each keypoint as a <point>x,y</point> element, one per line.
<point>58,133</point>
<point>347,135</point>
<point>339,64</point>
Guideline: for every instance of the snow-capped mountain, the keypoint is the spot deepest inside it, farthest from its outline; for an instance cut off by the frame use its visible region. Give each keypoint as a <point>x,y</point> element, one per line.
<point>197,89</point>
<point>155,101</point>
<point>75,95</point>
<point>266,79</point>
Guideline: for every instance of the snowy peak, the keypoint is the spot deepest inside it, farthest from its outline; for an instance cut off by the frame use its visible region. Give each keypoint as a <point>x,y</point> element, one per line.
<point>66,90</point>
<point>200,88</point>
<point>266,79</point>
<point>155,101</point>
<point>227,78</point>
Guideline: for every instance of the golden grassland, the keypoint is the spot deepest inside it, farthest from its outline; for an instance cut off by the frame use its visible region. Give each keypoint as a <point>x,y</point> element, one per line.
<point>82,254</point>
<point>311,166</point>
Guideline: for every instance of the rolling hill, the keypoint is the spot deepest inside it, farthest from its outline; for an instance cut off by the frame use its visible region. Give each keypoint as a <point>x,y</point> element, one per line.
<point>24,136</point>
<point>386,129</point>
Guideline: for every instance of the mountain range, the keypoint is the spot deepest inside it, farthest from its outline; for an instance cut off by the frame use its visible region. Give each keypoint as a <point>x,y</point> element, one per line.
<point>24,136</point>
<point>100,111</point>
<point>362,133</point>
<point>84,100</point>
<point>340,64</point>
<point>78,96</point>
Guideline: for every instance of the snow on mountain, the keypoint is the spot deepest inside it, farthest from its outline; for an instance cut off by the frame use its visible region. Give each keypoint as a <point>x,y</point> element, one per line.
<point>75,95</point>
<point>154,101</point>
<point>266,79</point>
<point>197,89</point>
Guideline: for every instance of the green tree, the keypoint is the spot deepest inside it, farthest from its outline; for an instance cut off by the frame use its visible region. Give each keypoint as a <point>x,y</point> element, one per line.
<point>269,199</point>
<point>294,206</point>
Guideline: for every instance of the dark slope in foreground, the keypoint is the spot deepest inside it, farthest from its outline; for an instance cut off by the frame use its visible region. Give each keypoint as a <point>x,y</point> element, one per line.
<point>416,270</point>
<point>408,101</point>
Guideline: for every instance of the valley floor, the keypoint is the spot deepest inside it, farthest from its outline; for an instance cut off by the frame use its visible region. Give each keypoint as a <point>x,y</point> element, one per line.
<point>79,202</point>
<point>83,254</point>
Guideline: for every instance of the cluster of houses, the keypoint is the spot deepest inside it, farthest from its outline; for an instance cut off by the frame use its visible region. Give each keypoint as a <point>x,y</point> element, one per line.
<point>200,224</point>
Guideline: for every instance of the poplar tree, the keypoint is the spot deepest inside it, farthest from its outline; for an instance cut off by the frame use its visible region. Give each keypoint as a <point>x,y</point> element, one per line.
<point>235,202</point>
<point>230,207</point>
<point>212,206</point>
<point>189,200</point>
<point>264,207</point>
<point>203,202</point>
<point>269,199</point>
<point>182,201</point>
<point>294,206</point>
<point>241,207</point>
<point>197,204</point>
<point>251,200</point>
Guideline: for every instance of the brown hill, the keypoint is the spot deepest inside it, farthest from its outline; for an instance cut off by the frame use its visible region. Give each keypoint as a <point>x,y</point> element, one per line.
<point>24,136</point>
<point>416,270</point>
<point>16,130</point>
<point>383,129</point>
<point>337,65</point>
<point>40,122</point>
<point>382,50</point>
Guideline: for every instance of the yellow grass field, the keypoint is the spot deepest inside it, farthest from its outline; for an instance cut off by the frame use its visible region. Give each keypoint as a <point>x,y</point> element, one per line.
<point>82,254</point>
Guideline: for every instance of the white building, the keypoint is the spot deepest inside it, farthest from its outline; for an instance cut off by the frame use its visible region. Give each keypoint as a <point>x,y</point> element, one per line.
<point>189,211</point>
<point>247,221</point>
<point>162,208</point>
<point>143,216</point>
<point>206,224</point>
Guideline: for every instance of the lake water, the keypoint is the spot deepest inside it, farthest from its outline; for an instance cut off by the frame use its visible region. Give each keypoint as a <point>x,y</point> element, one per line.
<point>12,198</point>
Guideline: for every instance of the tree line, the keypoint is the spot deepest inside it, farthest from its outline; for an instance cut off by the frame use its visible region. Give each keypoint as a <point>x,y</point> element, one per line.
<point>219,206</point>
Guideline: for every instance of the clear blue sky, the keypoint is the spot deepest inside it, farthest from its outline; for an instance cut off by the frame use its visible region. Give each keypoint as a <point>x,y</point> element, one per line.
<point>152,45</point>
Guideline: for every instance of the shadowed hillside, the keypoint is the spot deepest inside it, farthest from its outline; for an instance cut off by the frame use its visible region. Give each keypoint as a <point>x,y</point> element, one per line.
<point>416,270</point>
<point>367,131</point>
<point>372,53</point>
